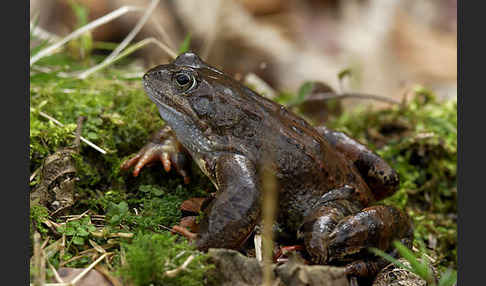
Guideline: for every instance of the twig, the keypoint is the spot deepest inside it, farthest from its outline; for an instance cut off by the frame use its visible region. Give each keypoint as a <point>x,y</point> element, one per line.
<point>323,96</point>
<point>81,137</point>
<point>79,216</point>
<point>79,128</point>
<point>85,271</point>
<point>174,272</point>
<point>77,33</point>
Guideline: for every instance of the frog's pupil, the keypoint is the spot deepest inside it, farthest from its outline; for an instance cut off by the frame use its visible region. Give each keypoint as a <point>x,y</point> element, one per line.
<point>183,79</point>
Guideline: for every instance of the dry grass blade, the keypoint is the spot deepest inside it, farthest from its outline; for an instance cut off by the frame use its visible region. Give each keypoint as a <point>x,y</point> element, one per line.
<point>214,27</point>
<point>88,27</point>
<point>85,271</point>
<point>257,240</point>
<point>56,275</point>
<point>101,234</point>
<point>99,149</point>
<point>43,34</point>
<point>260,85</point>
<point>39,262</point>
<point>163,33</point>
<point>174,272</point>
<point>97,247</point>
<point>34,174</point>
<point>125,41</point>
<point>128,51</point>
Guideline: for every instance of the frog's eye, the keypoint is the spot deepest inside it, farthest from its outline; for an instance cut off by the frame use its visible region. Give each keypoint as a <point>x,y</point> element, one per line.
<point>185,81</point>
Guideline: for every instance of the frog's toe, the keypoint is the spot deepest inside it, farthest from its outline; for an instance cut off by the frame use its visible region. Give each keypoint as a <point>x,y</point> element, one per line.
<point>177,229</point>
<point>193,205</point>
<point>180,163</point>
<point>190,222</point>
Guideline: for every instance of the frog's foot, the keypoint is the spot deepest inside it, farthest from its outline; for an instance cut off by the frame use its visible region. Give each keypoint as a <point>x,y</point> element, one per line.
<point>195,205</point>
<point>375,226</point>
<point>177,229</point>
<point>283,250</point>
<point>162,147</point>
<point>320,223</point>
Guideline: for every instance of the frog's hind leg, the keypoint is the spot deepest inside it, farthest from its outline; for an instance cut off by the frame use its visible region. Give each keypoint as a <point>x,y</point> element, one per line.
<point>336,230</point>
<point>379,176</point>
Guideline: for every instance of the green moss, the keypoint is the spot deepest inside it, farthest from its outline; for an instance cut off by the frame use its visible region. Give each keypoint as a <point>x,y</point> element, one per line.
<point>38,214</point>
<point>149,256</point>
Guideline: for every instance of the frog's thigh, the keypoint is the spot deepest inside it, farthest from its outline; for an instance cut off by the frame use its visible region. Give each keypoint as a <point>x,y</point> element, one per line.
<point>379,176</point>
<point>375,226</point>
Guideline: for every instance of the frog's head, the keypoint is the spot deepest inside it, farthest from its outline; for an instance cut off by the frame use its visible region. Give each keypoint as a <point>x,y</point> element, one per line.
<point>193,96</point>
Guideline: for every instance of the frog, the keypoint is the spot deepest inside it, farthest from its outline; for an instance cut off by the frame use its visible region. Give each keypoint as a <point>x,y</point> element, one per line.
<point>328,184</point>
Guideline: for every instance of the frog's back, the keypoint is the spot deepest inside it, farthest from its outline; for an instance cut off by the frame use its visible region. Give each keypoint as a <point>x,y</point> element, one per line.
<point>306,164</point>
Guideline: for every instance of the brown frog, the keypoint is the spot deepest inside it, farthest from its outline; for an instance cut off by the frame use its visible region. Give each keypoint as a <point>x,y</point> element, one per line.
<point>326,180</point>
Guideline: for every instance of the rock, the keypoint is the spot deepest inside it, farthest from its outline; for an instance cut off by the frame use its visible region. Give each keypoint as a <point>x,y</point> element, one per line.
<point>294,273</point>
<point>392,275</point>
<point>233,268</point>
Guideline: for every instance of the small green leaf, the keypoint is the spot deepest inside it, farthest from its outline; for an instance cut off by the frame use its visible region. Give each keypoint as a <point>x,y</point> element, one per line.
<point>449,278</point>
<point>123,207</point>
<point>70,231</point>
<point>344,73</point>
<point>82,232</point>
<point>185,44</point>
<point>304,90</point>
<point>115,219</point>
<point>388,257</point>
<point>78,240</point>
<point>421,269</point>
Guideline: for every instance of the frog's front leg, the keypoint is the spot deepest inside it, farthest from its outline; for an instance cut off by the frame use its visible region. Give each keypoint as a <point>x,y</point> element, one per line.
<point>231,216</point>
<point>164,147</point>
<point>380,177</point>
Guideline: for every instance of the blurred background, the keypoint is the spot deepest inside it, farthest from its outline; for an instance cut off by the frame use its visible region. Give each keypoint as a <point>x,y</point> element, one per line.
<point>388,45</point>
